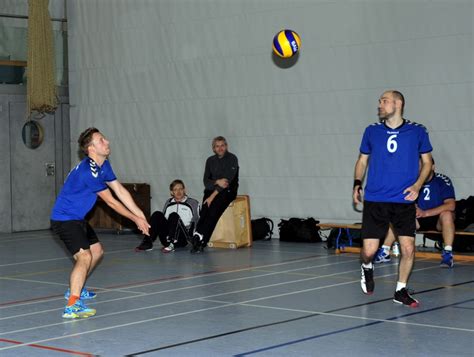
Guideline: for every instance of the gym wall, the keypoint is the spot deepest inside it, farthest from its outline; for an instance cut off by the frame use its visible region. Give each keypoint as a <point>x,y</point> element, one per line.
<point>161,78</point>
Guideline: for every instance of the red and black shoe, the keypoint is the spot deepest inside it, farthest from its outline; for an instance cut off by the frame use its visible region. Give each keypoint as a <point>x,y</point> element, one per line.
<point>403,297</point>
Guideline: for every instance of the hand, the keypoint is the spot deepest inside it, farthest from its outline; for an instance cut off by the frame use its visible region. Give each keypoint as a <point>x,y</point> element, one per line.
<point>208,201</point>
<point>223,182</point>
<point>412,193</point>
<point>357,195</point>
<point>420,213</point>
<point>143,225</point>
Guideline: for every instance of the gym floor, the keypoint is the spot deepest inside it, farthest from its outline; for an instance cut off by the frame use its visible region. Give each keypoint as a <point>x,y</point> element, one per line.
<point>274,299</point>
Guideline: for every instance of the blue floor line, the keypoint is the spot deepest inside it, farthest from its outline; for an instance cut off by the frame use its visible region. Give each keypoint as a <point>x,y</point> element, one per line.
<point>347,329</point>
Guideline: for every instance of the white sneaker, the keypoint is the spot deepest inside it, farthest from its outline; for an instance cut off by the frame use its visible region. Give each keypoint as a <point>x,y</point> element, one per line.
<point>168,249</point>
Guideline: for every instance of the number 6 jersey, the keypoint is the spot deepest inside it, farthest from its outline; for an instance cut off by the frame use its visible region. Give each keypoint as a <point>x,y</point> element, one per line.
<point>394,159</point>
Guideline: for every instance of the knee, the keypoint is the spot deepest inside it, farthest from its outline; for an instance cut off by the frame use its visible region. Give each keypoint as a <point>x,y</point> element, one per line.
<point>156,215</point>
<point>370,247</point>
<point>83,256</point>
<point>408,250</point>
<point>174,216</point>
<point>97,251</point>
<point>446,218</point>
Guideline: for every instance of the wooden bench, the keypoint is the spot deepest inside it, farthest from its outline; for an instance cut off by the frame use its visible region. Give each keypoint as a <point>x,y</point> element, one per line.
<point>340,227</point>
<point>350,249</point>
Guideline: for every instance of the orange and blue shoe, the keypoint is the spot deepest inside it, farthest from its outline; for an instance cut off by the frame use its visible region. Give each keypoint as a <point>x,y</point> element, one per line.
<point>78,311</point>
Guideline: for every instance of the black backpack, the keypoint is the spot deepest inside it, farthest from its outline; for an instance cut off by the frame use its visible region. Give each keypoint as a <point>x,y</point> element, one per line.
<point>299,230</point>
<point>262,228</point>
<point>464,213</point>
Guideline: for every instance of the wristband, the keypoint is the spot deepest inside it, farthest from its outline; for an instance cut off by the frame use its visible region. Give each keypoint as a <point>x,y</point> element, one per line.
<point>357,183</point>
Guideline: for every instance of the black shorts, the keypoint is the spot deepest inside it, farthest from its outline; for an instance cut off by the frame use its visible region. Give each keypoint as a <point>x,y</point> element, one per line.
<point>377,217</point>
<point>428,223</point>
<point>75,234</point>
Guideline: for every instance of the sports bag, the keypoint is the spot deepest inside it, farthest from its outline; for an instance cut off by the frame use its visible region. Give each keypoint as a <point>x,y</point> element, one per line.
<point>299,230</point>
<point>262,228</point>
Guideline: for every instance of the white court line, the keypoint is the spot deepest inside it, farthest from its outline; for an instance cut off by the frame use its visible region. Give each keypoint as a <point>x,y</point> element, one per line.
<point>60,258</point>
<point>203,275</point>
<point>266,249</point>
<point>180,314</point>
<point>22,237</point>
<point>66,285</point>
<point>16,240</point>
<point>182,288</point>
<point>258,267</point>
<point>33,236</point>
<point>198,298</point>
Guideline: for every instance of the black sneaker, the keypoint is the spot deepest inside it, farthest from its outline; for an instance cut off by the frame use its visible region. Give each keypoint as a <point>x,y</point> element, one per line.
<point>367,280</point>
<point>196,244</point>
<point>403,297</point>
<point>146,245</point>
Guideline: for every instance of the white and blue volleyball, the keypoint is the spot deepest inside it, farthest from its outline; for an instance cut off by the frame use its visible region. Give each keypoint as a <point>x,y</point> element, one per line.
<point>286,43</point>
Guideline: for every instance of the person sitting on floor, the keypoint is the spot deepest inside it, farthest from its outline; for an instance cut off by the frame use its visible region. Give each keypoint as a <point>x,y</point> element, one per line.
<point>175,225</point>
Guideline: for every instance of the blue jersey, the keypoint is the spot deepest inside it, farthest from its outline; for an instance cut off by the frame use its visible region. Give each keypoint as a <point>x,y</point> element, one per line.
<point>434,192</point>
<point>79,192</point>
<point>394,159</point>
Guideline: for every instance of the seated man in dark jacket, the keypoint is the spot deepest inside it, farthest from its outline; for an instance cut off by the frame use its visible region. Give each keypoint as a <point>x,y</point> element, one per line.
<point>221,181</point>
<point>175,224</point>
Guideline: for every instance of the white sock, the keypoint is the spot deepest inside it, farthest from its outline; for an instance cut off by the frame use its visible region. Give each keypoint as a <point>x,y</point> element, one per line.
<point>448,248</point>
<point>368,265</point>
<point>400,286</point>
<point>386,248</point>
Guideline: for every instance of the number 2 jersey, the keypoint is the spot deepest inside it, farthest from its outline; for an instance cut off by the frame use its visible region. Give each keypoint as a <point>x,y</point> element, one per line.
<point>393,159</point>
<point>435,191</point>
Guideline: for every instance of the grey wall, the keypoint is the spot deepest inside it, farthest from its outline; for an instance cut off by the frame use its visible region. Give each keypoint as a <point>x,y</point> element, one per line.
<point>161,78</point>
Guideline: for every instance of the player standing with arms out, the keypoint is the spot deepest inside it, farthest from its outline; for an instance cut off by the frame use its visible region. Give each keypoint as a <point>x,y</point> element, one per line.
<point>92,177</point>
<point>391,149</point>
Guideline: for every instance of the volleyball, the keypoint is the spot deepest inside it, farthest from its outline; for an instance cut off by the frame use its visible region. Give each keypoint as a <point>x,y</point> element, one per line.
<point>286,43</point>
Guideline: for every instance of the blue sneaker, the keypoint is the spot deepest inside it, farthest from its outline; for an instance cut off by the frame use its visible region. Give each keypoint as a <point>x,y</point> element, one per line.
<point>382,256</point>
<point>77,311</point>
<point>85,294</point>
<point>447,259</point>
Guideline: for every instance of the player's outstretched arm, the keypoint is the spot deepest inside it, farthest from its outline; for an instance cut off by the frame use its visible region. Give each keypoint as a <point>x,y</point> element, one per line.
<point>126,198</point>
<point>118,207</point>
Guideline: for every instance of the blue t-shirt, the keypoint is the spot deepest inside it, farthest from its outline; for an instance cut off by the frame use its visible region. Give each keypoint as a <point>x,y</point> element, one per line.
<point>79,192</point>
<point>434,192</point>
<point>394,159</point>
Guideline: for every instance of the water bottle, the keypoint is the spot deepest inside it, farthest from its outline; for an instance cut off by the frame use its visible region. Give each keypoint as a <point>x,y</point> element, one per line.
<point>396,249</point>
